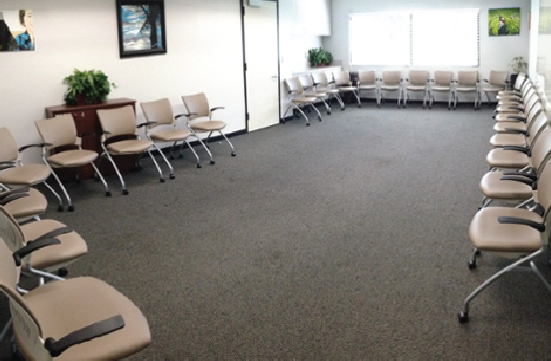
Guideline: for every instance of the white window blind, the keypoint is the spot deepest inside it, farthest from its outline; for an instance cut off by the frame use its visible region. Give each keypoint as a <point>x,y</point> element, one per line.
<point>420,38</point>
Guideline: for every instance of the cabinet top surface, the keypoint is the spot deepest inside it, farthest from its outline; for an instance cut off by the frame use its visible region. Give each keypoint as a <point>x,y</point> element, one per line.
<point>109,102</point>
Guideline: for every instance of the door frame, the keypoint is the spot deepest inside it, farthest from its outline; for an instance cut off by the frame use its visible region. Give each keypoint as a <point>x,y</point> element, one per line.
<point>242,5</point>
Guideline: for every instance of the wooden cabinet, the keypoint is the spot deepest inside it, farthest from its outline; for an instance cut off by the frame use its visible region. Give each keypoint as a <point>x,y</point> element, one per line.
<point>87,122</point>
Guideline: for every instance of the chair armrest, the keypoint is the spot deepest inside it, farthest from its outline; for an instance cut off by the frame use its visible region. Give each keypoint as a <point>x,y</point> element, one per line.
<point>5,199</point>
<point>216,108</point>
<point>521,221</point>
<point>517,117</point>
<point>486,80</point>
<point>24,191</point>
<point>524,150</point>
<point>54,233</point>
<point>82,135</point>
<point>31,247</point>
<point>141,125</point>
<point>521,179</point>
<point>35,145</point>
<point>518,131</point>
<point>514,108</point>
<point>187,115</point>
<point>531,176</point>
<point>85,334</point>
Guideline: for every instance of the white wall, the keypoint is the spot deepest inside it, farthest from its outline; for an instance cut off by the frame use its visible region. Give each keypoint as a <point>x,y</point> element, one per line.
<point>496,52</point>
<point>205,53</point>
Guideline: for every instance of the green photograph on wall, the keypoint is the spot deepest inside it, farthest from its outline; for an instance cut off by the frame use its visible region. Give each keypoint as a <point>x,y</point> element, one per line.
<point>504,21</point>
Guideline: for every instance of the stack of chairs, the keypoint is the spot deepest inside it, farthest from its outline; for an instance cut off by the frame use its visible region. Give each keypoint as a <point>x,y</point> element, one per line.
<point>519,179</point>
<point>78,318</point>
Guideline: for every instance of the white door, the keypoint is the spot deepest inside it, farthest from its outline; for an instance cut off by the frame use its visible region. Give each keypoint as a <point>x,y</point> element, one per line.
<point>261,58</point>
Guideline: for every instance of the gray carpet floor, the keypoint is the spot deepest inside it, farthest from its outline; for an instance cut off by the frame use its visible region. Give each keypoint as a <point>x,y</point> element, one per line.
<point>348,239</point>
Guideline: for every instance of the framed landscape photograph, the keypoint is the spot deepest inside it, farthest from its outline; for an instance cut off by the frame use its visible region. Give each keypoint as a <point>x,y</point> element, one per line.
<point>504,21</point>
<point>141,27</point>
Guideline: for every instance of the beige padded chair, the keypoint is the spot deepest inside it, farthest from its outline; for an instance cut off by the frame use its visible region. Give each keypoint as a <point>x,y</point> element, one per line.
<point>344,85</point>
<point>518,234</point>
<point>418,81</point>
<point>515,136</point>
<point>367,81</point>
<point>15,174</point>
<point>77,319</point>
<point>517,122</point>
<point>197,107</point>
<point>512,106</point>
<point>323,84</point>
<point>298,100</point>
<point>521,78</point>
<point>442,83</point>
<point>467,82</point>
<point>159,113</point>
<point>25,205</point>
<point>310,90</point>
<point>495,83</point>
<point>63,149</point>
<point>390,82</point>
<point>120,137</point>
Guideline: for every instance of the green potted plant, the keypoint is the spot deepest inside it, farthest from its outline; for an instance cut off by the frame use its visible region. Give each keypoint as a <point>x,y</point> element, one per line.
<point>319,57</point>
<point>87,87</point>
<point>518,64</point>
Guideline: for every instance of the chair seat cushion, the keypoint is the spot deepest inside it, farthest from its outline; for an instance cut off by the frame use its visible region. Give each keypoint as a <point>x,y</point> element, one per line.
<point>303,100</point>
<point>465,89</point>
<point>508,109</point>
<point>493,187</point>
<point>129,146</point>
<point>329,90</point>
<point>440,88</point>
<point>492,89</point>
<point>501,158</point>
<point>26,175</point>
<point>487,234</point>
<point>500,127</point>
<point>72,245</point>
<point>390,87</point>
<point>66,306</point>
<point>73,158</point>
<point>367,87</point>
<point>211,125</point>
<point>500,140</point>
<point>416,87</point>
<point>510,92</point>
<point>32,205</point>
<point>347,88</point>
<point>170,135</point>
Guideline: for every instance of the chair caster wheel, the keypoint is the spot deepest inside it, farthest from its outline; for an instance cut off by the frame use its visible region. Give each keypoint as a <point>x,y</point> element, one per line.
<point>108,194</point>
<point>319,118</point>
<point>125,192</point>
<point>172,176</point>
<point>162,180</point>
<point>181,156</point>
<point>342,108</point>
<point>463,317</point>
<point>329,113</point>
<point>60,209</point>
<point>359,105</point>
<point>472,264</point>
<point>62,272</point>
<point>96,178</point>
<point>199,165</point>
<point>71,208</point>
<point>212,162</point>
<point>171,157</point>
<point>233,154</point>
<point>307,124</point>
<point>477,252</point>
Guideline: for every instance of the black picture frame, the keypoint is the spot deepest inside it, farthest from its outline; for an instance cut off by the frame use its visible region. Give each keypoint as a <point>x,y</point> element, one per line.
<point>134,23</point>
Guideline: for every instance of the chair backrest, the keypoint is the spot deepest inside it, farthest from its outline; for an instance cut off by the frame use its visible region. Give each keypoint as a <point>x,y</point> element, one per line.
<point>197,104</point>
<point>342,77</point>
<point>320,78</point>
<point>542,148</point>
<point>293,85</point>
<point>11,233</point>
<point>8,147</point>
<point>536,128</point>
<point>467,77</point>
<point>367,77</point>
<point>521,77</point>
<point>443,77</point>
<point>418,77</point>
<point>498,78</point>
<point>25,324</point>
<point>306,81</point>
<point>544,199</point>
<point>392,77</point>
<point>58,131</point>
<point>117,121</point>
<point>330,77</point>
<point>159,111</point>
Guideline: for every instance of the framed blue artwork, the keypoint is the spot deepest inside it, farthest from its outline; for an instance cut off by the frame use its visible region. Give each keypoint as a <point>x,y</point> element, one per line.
<point>17,30</point>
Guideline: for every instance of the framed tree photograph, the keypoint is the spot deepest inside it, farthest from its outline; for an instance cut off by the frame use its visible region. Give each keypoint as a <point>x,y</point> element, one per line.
<point>504,21</point>
<point>141,27</point>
